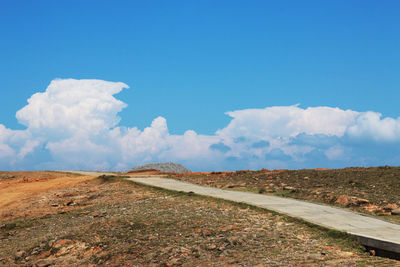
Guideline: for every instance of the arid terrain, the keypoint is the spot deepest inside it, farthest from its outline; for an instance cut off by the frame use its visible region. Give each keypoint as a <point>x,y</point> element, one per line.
<point>374,191</point>
<point>58,219</point>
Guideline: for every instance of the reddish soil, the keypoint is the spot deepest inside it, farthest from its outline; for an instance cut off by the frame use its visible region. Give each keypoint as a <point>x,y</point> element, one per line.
<point>58,219</point>
<point>28,194</point>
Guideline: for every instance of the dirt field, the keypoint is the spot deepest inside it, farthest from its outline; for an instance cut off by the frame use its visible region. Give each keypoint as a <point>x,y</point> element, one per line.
<point>27,194</point>
<point>61,219</point>
<point>374,191</point>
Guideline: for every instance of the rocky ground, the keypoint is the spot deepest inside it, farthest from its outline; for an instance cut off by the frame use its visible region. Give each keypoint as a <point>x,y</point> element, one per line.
<point>168,167</point>
<point>78,220</point>
<point>374,191</point>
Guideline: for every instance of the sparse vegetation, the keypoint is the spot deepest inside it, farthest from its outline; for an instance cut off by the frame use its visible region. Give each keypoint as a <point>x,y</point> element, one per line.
<point>374,191</point>
<point>115,222</point>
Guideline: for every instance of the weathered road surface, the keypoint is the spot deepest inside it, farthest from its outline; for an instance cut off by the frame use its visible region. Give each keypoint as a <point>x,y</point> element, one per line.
<point>91,173</point>
<point>372,232</point>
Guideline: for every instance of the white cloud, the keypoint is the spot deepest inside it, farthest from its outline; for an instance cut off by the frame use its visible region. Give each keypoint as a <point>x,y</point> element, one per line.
<point>287,121</point>
<point>27,148</point>
<point>147,144</point>
<point>369,125</point>
<point>74,124</point>
<point>6,151</point>
<point>335,152</point>
<point>69,107</point>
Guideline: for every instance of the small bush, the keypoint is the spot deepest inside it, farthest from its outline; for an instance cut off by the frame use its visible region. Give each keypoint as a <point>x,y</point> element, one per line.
<point>261,190</point>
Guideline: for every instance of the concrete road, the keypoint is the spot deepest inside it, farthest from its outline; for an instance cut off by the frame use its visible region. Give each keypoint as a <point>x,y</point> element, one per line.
<point>95,173</point>
<point>91,173</point>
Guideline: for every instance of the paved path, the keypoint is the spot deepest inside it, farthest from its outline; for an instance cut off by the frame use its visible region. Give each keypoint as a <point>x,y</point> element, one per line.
<point>91,173</point>
<point>371,232</point>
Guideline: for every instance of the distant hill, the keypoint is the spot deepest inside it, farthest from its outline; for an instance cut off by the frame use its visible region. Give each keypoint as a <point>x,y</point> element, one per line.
<point>163,167</point>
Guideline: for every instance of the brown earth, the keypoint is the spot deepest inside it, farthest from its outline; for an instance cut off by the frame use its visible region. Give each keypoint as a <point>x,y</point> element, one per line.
<point>58,219</point>
<point>27,194</point>
<point>374,191</point>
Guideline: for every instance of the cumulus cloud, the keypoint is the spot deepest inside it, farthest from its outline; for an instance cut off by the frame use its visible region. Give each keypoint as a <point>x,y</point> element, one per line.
<point>73,124</point>
<point>287,121</point>
<point>371,126</point>
<point>71,107</point>
<point>5,150</point>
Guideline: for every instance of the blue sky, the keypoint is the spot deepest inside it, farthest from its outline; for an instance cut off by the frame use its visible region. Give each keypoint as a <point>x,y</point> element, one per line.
<point>191,61</point>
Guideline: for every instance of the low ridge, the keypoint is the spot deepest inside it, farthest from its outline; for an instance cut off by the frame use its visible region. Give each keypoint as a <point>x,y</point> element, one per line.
<point>163,167</point>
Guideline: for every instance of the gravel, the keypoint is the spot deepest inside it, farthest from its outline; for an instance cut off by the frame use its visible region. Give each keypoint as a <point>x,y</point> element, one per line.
<point>164,167</point>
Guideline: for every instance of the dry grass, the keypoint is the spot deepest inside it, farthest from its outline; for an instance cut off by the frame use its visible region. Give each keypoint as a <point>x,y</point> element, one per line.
<point>379,186</point>
<point>121,224</point>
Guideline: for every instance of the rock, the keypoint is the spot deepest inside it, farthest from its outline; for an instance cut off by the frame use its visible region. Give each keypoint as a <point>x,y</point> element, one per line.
<point>361,201</point>
<point>206,233</point>
<point>167,250</point>
<point>96,214</point>
<point>68,202</point>
<point>351,201</point>
<point>343,200</point>
<point>211,247</point>
<point>43,263</point>
<point>61,243</point>
<point>316,191</point>
<point>316,256</point>
<point>396,211</point>
<point>35,251</point>
<point>242,171</point>
<point>290,188</point>
<point>383,212</point>
<point>371,207</point>
<point>19,255</point>
<point>229,253</point>
<point>390,207</point>
<point>150,256</point>
<point>225,229</point>
<point>346,254</point>
<point>173,262</point>
<point>331,198</point>
<point>222,247</point>
<point>7,176</point>
<point>235,241</point>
